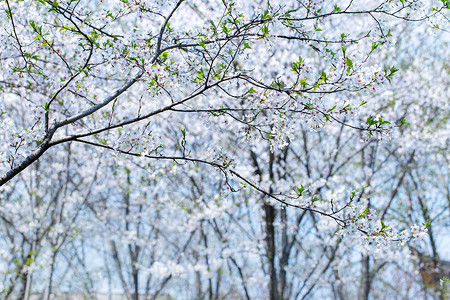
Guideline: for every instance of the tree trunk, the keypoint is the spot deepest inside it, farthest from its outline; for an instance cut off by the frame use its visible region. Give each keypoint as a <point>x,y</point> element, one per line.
<point>270,250</point>
<point>364,286</point>
<point>284,260</point>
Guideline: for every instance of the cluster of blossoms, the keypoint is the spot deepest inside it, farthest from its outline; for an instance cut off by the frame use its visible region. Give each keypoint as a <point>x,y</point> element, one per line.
<point>359,75</point>
<point>396,4</point>
<point>162,269</point>
<point>138,140</point>
<point>20,142</point>
<point>317,116</point>
<point>265,99</point>
<point>418,232</point>
<point>313,5</point>
<point>220,157</point>
<point>162,78</point>
<point>351,69</point>
<point>306,195</point>
<point>377,232</point>
<point>157,6</point>
<point>267,118</point>
<point>376,128</point>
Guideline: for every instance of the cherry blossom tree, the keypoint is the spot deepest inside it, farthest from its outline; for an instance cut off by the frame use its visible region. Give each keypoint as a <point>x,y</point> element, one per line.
<point>221,149</point>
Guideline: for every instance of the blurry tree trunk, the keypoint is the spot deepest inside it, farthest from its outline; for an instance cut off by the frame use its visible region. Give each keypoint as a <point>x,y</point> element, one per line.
<point>198,278</point>
<point>48,289</point>
<point>270,250</point>
<point>284,259</point>
<point>119,268</point>
<point>364,286</point>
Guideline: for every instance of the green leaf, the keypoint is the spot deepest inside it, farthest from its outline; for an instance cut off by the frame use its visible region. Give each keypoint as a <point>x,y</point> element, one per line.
<point>201,75</point>
<point>427,223</point>
<point>300,190</point>
<point>370,121</point>
<point>303,82</point>
<point>393,70</point>
<point>349,63</point>
<point>251,91</point>
<point>375,45</point>
<point>331,109</point>
<point>225,29</point>
<point>29,261</point>
<point>266,15</point>
<point>336,8</point>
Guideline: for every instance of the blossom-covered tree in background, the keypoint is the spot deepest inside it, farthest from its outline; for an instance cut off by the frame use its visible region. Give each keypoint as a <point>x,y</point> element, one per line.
<point>219,149</point>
